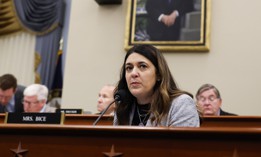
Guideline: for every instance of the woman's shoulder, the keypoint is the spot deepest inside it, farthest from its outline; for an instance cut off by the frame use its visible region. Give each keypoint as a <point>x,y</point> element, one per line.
<point>182,101</point>
<point>183,112</point>
<point>183,98</point>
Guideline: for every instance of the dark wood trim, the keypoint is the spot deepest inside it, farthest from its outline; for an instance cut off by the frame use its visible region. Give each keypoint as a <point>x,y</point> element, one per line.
<point>78,141</point>
<point>231,121</point>
<point>210,121</point>
<point>87,119</point>
<point>105,2</point>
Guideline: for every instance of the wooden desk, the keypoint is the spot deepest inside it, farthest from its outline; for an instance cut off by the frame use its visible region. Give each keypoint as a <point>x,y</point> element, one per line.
<point>2,118</point>
<point>231,121</point>
<point>209,121</point>
<point>78,141</point>
<point>78,119</point>
<point>87,119</point>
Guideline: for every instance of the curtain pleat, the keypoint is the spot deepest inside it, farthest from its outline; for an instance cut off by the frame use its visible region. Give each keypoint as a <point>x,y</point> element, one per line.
<point>48,46</point>
<point>39,16</point>
<point>17,56</point>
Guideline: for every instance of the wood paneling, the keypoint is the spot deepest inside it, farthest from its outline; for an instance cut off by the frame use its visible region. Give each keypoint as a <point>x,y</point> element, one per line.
<point>78,141</point>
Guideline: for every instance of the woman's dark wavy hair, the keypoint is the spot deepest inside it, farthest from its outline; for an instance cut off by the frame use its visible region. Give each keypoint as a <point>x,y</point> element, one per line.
<point>165,89</point>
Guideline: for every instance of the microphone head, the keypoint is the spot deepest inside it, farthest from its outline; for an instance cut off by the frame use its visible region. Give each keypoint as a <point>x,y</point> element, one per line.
<point>120,95</point>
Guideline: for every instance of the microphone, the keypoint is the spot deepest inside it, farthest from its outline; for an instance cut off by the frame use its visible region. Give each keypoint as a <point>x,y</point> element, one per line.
<point>119,96</point>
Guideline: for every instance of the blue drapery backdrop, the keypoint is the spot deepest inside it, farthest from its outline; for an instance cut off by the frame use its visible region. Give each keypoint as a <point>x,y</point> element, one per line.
<point>45,19</point>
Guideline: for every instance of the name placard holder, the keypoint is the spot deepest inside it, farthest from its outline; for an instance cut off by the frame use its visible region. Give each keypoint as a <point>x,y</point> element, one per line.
<point>70,111</point>
<point>34,118</point>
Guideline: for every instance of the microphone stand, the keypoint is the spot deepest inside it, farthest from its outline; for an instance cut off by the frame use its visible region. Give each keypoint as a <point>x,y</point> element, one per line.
<point>103,112</point>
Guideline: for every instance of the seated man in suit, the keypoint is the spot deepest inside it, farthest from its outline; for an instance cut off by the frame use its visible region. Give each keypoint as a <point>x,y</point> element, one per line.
<point>11,94</point>
<point>35,98</point>
<point>209,101</point>
<point>105,98</point>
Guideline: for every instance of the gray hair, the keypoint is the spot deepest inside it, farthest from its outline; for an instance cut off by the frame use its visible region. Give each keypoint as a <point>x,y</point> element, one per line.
<point>206,87</point>
<point>41,91</point>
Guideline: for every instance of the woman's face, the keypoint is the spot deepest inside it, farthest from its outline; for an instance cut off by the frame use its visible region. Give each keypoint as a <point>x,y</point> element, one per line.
<point>141,77</point>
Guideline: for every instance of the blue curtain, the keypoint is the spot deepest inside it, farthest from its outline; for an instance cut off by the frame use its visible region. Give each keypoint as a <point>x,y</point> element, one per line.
<point>45,19</point>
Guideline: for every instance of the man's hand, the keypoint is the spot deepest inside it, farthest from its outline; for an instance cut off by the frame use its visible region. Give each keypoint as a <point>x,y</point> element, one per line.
<point>169,20</point>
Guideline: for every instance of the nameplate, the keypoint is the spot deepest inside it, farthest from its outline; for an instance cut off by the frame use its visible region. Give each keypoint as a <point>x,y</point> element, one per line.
<point>70,111</point>
<point>35,118</point>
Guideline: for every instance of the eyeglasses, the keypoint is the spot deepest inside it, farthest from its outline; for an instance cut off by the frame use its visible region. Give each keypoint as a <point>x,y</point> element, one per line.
<point>28,102</point>
<point>210,99</point>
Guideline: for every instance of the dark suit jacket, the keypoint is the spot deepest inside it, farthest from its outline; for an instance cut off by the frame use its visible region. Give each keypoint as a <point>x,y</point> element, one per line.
<point>157,30</point>
<point>224,113</point>
<point>19,107</point>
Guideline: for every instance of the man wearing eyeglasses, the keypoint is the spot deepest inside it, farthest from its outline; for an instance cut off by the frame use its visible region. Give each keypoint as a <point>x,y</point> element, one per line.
<point>35,98</point>
<point>11,94</point>
<point>209,101</point>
